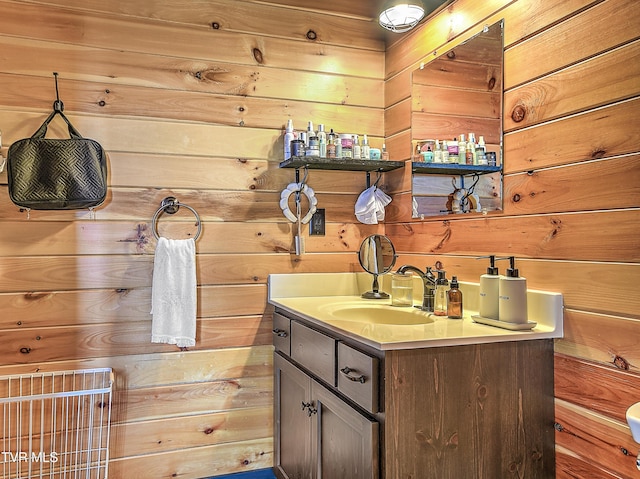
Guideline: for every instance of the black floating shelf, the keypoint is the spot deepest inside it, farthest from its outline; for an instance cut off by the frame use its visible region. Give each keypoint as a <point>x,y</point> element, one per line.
<point>452,169</point>
<point>342,164</point>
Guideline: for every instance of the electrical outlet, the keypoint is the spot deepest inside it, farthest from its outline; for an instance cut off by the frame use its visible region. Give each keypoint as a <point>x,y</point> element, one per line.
<point>316,225</point>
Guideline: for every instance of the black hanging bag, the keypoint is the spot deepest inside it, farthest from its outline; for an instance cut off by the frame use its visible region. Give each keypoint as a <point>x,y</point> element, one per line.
<point>57,174</point>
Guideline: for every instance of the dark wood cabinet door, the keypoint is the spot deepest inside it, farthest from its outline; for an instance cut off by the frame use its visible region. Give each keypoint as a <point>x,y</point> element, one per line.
<point>344,442</point>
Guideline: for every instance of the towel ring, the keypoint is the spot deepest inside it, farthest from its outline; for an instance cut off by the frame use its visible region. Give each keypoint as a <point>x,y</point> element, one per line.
<point>171,206</point>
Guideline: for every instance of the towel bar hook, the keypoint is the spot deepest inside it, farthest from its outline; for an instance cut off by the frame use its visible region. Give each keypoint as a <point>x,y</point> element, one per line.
<point>171,206</point>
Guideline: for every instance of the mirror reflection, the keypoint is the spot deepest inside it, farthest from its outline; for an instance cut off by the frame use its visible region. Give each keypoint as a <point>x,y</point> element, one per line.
<point>377,256</point>
<point>456,128</point>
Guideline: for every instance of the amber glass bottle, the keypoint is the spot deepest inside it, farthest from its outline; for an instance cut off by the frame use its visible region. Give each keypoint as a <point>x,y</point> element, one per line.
<point>454,300</point>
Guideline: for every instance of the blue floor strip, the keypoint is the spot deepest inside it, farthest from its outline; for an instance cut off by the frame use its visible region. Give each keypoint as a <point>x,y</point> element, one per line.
<point>260,474</point>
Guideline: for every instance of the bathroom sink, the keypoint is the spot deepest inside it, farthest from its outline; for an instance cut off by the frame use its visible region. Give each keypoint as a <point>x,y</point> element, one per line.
<point>377,314</point>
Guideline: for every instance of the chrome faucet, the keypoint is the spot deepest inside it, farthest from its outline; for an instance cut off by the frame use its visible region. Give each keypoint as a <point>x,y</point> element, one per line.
<point>429,285</point>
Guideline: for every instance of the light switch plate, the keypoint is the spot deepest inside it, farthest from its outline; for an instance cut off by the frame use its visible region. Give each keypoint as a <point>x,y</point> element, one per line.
<point>317,225</point>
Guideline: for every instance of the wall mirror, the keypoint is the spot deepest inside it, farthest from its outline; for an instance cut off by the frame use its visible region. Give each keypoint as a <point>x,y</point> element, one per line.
<point>459,93</point>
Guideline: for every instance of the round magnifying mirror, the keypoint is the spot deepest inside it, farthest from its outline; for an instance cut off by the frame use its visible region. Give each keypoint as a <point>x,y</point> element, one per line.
<point>377,256</point>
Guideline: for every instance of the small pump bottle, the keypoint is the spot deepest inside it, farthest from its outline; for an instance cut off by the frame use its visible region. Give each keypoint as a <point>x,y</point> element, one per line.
<point>442,286</point>
<point>454,300</point>
<point>437,153</point>
<point>322,141</point>
<point>462,150</point>
<point>289,136</point>
<point>365,150</point>
<point>445,152</point>
<point>489,285</point>
<point>512,301</point>
<point>355,147</point>
<point>331,144</point>
<point>385,153</point>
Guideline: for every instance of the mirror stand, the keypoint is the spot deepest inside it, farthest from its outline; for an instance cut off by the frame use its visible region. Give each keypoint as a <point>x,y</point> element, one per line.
<point>375,293</point>
<point>377,256</point>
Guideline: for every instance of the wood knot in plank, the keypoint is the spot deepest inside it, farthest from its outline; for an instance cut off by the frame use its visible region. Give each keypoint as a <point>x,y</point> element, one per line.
<point>598,153</point>
<point>518,113</point>
<point>258,56</point>
<point>620,363</point>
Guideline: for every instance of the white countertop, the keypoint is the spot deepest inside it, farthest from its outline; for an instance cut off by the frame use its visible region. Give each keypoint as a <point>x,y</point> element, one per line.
<point>314,297</point>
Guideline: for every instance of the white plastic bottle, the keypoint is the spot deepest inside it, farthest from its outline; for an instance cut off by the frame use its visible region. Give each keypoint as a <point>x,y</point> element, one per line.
<point>289,136</point>
<point>365,152</point>
<point>489,291</point>
<point>322,140</point>
<point>513,296</point>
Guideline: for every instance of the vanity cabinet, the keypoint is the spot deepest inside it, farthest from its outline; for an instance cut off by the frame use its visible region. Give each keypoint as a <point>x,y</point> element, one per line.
<point>346,410</point>
<point>319,435</point>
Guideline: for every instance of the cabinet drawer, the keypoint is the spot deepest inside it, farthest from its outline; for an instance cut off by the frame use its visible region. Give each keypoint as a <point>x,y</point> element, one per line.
<point>358,377</point>
<point>282,334</point>
<point>315,351</point>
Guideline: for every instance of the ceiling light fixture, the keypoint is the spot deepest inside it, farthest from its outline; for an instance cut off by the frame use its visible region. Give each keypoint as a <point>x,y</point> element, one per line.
<point>401,17</point>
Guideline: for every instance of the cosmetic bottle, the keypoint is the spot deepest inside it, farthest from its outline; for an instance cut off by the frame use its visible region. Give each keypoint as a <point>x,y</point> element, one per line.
<point>365,152</point>
<point>454,300</point>
<point>322,141</point>
<point>355,147</point>
<point>489,291</point>
<point>452,146</point>
<point>427,156</point>
<point>512,302</point>
<point>310,131</point>
<point>289,136</point>
<point>385,154</point>
<point>462,151</point>
<point>442,286</point>
<point>331,144</point>
<point>445,152</point>
<point>437,153</point>
<point>481,151</point>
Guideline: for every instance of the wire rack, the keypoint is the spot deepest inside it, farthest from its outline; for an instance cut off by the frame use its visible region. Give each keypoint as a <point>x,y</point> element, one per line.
<point>55,425</point>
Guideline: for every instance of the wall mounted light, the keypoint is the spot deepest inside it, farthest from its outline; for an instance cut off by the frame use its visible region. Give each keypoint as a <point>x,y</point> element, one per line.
<point>400,16</point>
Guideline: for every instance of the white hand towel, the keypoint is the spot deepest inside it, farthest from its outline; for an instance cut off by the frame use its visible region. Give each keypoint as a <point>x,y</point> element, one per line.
<point>174,293</point>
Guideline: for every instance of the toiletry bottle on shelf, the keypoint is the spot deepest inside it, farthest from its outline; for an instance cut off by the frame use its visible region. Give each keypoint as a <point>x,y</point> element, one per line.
<point>428,155</point>
<point>469,153</point>
<point>512,302</point>
<point>454,300</point>
<point>462,151</point>
<point>356,149</point>
<point>289,136</point>
<point>338,146</point>
<point>322,141</point>
<point>489,291</point>
<point>452,146</point>
<point>365,151</point>
<point>445,152</point>
<point>437,153</point>
<point>310,131</point>
<point>331,144</point>
<point>481,151</point>
<point>442,286</point>
<point>385,153</point>
<point>471,146</point>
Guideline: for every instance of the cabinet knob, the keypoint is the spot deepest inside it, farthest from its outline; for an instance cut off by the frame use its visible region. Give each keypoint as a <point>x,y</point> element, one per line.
<point>346,371</point>
<point>309,407</point>
<point>281,333</point>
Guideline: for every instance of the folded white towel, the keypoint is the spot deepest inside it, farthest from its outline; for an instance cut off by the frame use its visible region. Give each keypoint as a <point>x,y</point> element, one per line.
<point>370,205</point>
<point>174,293</point>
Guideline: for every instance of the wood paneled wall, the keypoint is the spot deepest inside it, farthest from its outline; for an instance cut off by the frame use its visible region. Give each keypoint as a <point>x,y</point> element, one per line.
<point>188,99</point>
<point>572,199</point>
<point>191,102</point>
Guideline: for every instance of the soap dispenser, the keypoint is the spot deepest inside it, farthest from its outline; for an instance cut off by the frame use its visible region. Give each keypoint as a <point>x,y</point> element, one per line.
<point>442,286</point>
<point>489,290</point>
<point>512,301</point>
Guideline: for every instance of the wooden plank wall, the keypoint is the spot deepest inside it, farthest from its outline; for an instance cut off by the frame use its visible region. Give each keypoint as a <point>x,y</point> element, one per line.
<point>572,200</point>
<point>188,101</point>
